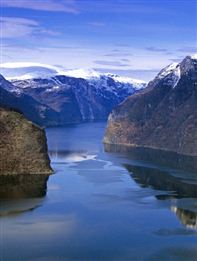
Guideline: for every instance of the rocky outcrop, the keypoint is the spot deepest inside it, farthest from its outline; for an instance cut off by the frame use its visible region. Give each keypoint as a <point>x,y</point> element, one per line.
<point>23,146</point>
<point>162,116</point>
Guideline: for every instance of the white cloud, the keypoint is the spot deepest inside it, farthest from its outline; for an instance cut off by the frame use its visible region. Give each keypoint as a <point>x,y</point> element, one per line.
<point>142,64</point>
<point>67,6</point>
<point>17,27</point>
<point>116,63</point>
<point>14,27</point>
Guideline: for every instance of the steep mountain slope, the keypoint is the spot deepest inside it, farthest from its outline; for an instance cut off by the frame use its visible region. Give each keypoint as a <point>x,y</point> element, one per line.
<point>11,96</point>
<point>77,95</point>
<point>163,116</point>
<point>77,99</point>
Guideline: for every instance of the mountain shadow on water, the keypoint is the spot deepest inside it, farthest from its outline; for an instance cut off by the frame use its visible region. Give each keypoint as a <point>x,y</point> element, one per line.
<point>155,157</point>
<point>172,176</point>
<point>21,193</point>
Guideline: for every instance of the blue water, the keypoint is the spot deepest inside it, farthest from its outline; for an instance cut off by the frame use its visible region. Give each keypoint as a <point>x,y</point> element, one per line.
<point>114,205</point>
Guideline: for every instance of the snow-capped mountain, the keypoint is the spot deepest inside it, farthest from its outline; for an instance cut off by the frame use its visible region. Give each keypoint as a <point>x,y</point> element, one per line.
<point>87,74</point>
<point>93,75</point>
<point>26,71</point>
<point>32,109</point>
<point>171,74</point>
<point>76,95</point>
<point>164,115</point>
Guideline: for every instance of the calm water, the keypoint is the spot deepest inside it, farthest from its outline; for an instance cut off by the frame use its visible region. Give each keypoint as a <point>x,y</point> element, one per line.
<point>113,205</point>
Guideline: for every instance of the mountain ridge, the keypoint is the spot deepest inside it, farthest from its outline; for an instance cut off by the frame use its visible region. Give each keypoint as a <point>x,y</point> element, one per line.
<point>162,116</point>
<point>70,99</point>
<point>26,68</point>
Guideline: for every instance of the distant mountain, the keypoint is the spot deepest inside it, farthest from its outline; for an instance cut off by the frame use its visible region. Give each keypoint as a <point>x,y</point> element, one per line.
<point>75,96</point>
<point>27,70</point>
<point>164,115</point>
<point>33,110</point>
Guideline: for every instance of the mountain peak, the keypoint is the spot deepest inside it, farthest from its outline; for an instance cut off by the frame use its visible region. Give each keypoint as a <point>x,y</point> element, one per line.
<point>159,117</point>
<point>124,79</point>
<point>194,56</point>
<point>170,74</point>
<point>86,73</point>
<point>167,70</point>
<point>175,69</point>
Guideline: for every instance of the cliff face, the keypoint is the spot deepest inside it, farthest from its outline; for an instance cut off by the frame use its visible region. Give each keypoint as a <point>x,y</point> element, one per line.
<point>23,147</point>
<point>163,116</point>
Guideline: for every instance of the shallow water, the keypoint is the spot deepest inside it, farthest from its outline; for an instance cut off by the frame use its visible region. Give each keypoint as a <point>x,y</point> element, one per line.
<point>102,203</point>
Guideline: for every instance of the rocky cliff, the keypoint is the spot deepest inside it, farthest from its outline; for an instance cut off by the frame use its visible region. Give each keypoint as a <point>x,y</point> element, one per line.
<point>23,147</point>
<point>163,116</point>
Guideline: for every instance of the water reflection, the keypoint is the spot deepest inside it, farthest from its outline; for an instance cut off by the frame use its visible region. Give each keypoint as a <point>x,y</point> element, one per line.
<point>172,187</point>
<point>178,186</point>
<point>157,157</point>
<point>173,176</point>
<point>187,217</point>
<point>20,193</point>
<point>65,156</point>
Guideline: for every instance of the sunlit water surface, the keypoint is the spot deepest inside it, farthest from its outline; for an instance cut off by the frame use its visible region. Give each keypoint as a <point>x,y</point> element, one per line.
<point>113,205</point>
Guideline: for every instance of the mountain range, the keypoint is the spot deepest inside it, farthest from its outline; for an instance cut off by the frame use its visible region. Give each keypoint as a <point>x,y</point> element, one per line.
<point>49,96</point>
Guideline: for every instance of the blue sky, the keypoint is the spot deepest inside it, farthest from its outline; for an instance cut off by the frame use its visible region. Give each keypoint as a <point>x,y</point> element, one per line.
<point>129,37</point>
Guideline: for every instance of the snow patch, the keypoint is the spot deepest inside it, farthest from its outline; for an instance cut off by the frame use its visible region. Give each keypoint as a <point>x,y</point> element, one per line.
<point>27,71</point>
<point>137,84</point>
<point>124,79</point>
<point>90,74</point>
<point>177,76</point>
<point>81,73</point>
<point>54,88</point>
<point>194,56</point>
<point>167,70</point>
<point>171,74</point>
